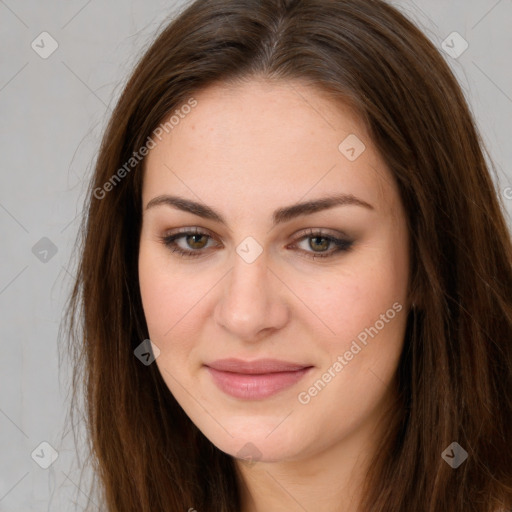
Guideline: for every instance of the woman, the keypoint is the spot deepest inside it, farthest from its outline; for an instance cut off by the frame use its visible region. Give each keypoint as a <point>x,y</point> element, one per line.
<point>291,202</point>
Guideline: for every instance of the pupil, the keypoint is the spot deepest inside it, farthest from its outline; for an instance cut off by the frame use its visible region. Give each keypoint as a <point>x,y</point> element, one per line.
<point>319,238</point>
<point>194,241</point>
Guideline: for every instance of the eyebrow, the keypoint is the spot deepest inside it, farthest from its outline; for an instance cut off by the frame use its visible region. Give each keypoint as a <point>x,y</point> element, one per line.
<point>279,216</point>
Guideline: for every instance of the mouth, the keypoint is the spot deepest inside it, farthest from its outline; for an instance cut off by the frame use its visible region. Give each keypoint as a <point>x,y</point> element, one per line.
<point>255,380</point>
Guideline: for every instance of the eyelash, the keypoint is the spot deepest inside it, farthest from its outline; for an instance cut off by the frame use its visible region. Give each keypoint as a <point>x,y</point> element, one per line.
<point>341,245</point>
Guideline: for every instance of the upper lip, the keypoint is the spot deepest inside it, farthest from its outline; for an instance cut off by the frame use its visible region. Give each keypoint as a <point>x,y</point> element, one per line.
<point>258,366</point>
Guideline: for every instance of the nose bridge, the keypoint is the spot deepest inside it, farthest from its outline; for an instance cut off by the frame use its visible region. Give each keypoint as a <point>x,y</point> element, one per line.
<point>249,301</point>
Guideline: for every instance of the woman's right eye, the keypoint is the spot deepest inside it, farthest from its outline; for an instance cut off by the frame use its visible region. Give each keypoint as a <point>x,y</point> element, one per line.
<point>195,239</point>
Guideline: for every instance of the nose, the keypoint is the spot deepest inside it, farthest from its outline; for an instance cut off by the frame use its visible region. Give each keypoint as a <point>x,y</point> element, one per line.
<point>253,301</point>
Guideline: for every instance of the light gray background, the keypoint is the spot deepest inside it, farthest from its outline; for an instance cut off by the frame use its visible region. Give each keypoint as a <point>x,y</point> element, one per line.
<point>52,114</point>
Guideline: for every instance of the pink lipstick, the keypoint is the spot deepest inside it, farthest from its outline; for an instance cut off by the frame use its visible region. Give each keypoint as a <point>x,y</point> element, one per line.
<point>255,380</point>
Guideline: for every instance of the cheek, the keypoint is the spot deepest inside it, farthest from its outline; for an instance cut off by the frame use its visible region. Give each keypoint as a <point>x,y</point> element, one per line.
<point>365,309</point>
<point>349,303</point>
<point>173,300</point>
<point>156,296</point>
<point>163,293</point>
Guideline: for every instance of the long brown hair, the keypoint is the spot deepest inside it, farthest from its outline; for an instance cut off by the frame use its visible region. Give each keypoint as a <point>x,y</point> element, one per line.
<point>454,380</point>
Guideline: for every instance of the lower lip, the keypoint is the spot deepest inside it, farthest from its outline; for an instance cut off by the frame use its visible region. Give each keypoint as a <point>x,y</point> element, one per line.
<point>254,387</point>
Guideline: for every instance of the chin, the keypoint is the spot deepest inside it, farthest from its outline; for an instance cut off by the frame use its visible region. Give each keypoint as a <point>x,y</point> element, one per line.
<point>259,441</point>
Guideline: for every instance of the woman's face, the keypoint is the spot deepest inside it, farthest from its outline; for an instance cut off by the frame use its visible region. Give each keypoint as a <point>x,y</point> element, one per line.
<point>279,336</point>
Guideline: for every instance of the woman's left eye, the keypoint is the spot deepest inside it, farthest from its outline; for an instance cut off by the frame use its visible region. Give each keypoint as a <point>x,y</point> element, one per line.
<point>319,242</point>
<point>197,241</point>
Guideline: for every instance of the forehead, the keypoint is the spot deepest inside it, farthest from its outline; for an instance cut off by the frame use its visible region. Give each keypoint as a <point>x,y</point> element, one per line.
<point>269,143</point>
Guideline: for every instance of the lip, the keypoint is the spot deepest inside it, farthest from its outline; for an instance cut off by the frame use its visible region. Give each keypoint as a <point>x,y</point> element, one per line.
<point>253,380</point>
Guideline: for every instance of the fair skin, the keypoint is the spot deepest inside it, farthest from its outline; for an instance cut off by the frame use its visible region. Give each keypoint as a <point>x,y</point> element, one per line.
<point>245,152</point>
